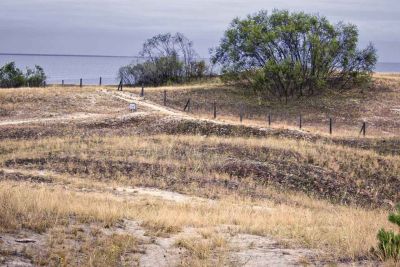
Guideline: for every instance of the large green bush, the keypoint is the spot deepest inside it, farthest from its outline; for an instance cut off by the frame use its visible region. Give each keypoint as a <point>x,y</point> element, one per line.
<point>287,54</point>
<point>12,77</point>
<point>389,241</point>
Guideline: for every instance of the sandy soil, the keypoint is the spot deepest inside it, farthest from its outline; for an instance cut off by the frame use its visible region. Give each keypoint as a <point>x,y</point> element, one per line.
<point>243,249</point>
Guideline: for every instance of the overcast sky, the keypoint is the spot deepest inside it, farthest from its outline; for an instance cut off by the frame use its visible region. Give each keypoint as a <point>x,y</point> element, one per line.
<point>118,27</point>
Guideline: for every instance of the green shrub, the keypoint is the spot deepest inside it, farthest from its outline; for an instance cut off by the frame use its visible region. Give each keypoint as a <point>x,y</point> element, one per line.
<point>285,54</point>
<point>12,77</point>
<point>35,77</point>
<point>389,242</point>
<point>169,59</point>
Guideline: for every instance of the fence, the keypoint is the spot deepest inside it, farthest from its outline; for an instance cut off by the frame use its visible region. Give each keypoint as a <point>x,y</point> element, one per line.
<point>329,125</point>
<point>271,118</point>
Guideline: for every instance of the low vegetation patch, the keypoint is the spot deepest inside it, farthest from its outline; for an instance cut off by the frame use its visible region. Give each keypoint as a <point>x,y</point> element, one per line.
<point>389,241</point>
<point>333,172</point>
<point>204,252</point>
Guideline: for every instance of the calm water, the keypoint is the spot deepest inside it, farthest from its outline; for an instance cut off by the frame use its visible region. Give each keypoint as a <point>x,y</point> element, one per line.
<point>72,68</point>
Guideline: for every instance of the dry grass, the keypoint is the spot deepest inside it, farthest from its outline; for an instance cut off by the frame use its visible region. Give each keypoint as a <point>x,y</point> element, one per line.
<point>339,232</point>
<point>24,103</point>
<point>376,105</point>
<point>209,251</point>
<point>78,248</point>
<point>192,163</point>
<point>41,208</point>
<point>330,195</point>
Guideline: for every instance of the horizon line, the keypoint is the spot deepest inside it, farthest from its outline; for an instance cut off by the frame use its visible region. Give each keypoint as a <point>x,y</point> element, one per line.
<point>106,56</point>
<point>74,55</point>
<point>64,55</point>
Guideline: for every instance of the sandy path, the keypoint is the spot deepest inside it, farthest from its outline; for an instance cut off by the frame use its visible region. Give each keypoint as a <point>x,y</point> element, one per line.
<point>68,117</point>
<point>74,117</point>
<point>129,97</point>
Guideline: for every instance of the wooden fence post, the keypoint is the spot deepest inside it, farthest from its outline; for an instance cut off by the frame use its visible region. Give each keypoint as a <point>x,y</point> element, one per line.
<point>62,83</point>
<point>241,113</point>
<point>120,86</point>
<point>215,110</point>
<point>44,84</point>
<point>330,126</point>
<point>269,119</point>
<point>300,122</point>
<point>142,92</point>
<point>100,81</point>
<point>364,128</point>
<point>80,83</point>
<point>165,97</point>
<point>187,106</point>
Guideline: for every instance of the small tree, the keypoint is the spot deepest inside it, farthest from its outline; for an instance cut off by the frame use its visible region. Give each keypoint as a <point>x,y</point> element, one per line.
<point>289,54</point>
<point>169,58</point>
<point>35,77</point>
<point>389,242</point>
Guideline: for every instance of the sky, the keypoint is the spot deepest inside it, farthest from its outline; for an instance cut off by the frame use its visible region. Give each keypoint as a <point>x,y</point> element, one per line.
<point>119,27</point>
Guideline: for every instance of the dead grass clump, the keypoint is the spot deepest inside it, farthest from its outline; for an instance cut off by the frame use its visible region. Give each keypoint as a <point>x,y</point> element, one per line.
<point>160,228</point>
<point>85,249</point>
<point>204,252</point>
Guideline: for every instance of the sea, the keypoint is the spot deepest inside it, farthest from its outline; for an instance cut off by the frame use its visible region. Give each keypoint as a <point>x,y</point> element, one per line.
<point>72,68</point>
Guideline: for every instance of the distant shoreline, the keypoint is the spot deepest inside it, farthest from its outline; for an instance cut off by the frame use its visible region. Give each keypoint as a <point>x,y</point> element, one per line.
<point>64,55</point>
<point>76,55</point>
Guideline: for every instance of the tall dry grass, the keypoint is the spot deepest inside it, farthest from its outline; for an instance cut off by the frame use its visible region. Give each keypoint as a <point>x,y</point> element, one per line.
<point>336,231</point>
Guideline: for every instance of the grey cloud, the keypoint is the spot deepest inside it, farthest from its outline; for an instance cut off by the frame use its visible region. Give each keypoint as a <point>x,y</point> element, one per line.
<point>120,26</point>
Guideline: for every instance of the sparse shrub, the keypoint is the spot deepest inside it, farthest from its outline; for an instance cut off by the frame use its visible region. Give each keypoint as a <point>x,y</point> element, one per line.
<point>169,59</point>
<point>389,241</point>
<point>35,77</point>
<point>12,77</point>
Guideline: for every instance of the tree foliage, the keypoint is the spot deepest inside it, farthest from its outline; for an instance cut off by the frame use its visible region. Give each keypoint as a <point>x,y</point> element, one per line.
<point>287,54</point>
<point>11,76</point>
<point>169,58</point>
<point>35,77</point>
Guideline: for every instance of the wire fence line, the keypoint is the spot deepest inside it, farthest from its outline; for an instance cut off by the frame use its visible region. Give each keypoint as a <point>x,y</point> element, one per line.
<point>243,112</point>
<point>303,121</point>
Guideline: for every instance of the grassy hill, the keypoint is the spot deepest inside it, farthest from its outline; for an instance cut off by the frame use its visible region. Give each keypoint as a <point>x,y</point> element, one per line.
<point>83,181</point>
